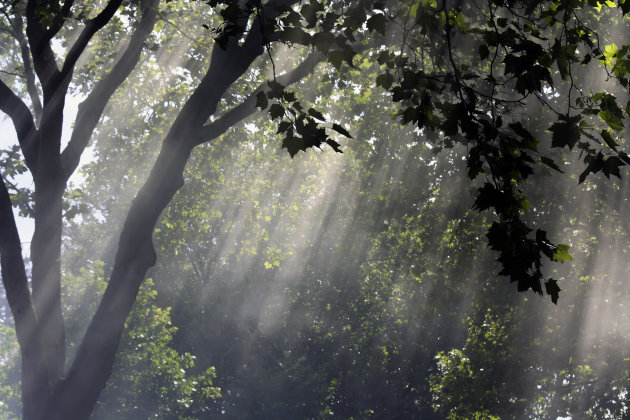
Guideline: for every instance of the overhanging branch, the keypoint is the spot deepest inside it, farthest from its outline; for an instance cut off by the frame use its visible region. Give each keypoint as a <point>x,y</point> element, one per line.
<point>248,106</point>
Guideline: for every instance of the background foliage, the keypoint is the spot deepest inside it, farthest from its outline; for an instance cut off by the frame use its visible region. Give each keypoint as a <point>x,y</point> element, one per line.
<point>360,285</point>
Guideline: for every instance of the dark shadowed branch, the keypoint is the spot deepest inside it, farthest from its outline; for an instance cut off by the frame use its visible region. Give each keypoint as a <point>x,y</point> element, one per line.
<point>248,106</point>
<point>14,279</point>
<point>18,32</point>
<point>91,109</point>
<point>93,363</point>
<point>23,122</point>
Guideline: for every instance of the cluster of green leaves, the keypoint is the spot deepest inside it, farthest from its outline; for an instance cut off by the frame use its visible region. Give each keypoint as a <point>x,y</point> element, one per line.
<point>149,364</point>
<point>9,373</point>
<point>340,278</point>
<point>159,374</point>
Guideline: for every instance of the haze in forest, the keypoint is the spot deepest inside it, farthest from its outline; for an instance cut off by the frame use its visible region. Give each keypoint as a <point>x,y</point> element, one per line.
<point>336,285</point>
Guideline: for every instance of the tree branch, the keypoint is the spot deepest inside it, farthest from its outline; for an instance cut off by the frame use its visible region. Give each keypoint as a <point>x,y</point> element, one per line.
<point>91,28</point>
<point>23,122</point>
<point>248,106</point>
<point>41,50</point>
<point>92,108</point>
<point>93,363</point>
<point>31,87</point>
<point>39,39</point>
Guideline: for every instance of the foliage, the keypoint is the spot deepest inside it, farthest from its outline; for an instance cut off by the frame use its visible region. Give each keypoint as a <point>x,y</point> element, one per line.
<point>159,374</point>
<point>9,373</point>
<point>527,53</point>
<point>350,297</point>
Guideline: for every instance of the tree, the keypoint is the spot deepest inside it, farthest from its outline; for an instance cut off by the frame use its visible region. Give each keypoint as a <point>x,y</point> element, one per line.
<point>448,95</point>
<point>146,362</point>
<point>46,390</point>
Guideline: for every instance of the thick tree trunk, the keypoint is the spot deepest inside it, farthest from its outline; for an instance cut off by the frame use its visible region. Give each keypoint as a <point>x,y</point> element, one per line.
<point>46,243</point>
<point>35,385</point>
<point>39,323</point>
<point>76,395</point>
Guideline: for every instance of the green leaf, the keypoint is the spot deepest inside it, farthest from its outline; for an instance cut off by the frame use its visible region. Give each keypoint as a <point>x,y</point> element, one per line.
<point>525,204</point>
<point>339,129</point>
<point>612,120</point>
<point>562,254</point>
<point>610,51</point>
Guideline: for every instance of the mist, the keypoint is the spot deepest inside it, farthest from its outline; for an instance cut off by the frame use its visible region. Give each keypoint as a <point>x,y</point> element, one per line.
<point>336,285</point>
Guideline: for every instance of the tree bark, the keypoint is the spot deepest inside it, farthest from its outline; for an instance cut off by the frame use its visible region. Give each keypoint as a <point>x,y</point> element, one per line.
<point>76,395</point>
<point>35,385</point>
<point>46,393</point>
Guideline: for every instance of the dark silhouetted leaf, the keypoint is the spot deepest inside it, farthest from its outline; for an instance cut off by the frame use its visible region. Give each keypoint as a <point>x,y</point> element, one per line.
<point>316,114</point>
<point>549,162</point>
<point>376,23</point>
<point>552,289</point>
<point>336,58</point>
<point>565,133</point>
<point>276,111</point>
<point>261,100</point>
<point>339,129</point>
<point>336,146</point>
<point>484,52</point>
<point>384,80</point>
<point>611,166</point>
